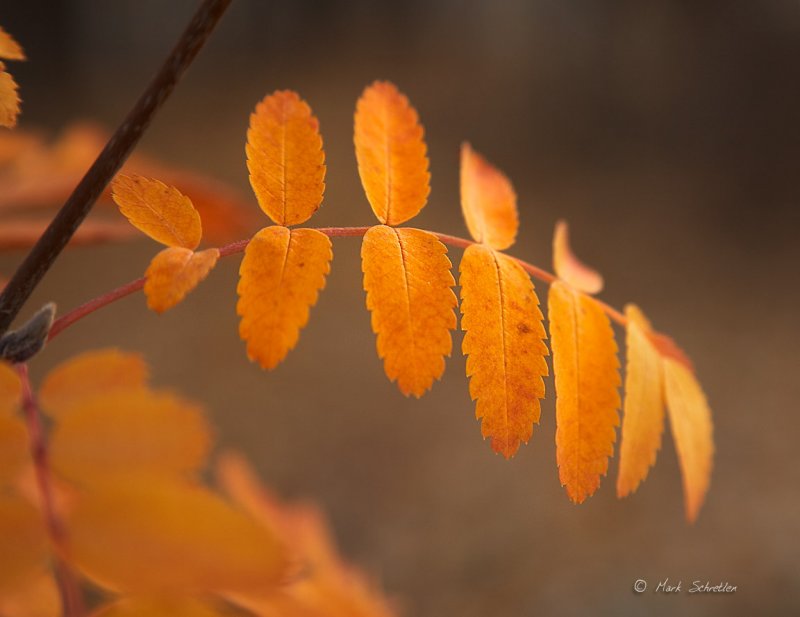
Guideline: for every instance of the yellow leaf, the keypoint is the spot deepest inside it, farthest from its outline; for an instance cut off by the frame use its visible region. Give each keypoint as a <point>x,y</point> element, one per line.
<point>13,447</point>
<point>569,268</point>
<point>587,377</point>
<point>391,153</point>
<point>91,374</point>
<point>504,344</point>
<point>36,595</point>
<point>173,273</point>
<point>9,48</point>
<point>281,275</point>
<point>690,418</point>
<point>164,606</point>
<point>488,201</point>
<point>10,388</point>
<point>153,535</point>
<point>129,432</point>
<point>160,211</point>
<point>643,421</point>
<point>408,283</point>
<point>9,99</point>
<point>285,158</point>
<point>23,541</point>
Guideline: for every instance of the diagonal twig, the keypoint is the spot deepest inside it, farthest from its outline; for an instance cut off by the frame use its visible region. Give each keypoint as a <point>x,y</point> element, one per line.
<point>108,162</point>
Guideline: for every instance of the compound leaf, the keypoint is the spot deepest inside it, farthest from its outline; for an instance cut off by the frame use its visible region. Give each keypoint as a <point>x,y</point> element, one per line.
<point>285,158</point>
<point>409,293</point>
<point>643,420</point>
<point>89,375</point>
<point>692,431</point>
<point>173,273</point>
<point>488,201</point>
<point>587,377</point>
<point>160,211</point>
<point>280,278</point>
<point>569,268</point>
<point>504,344</point>
<point>391,153</point>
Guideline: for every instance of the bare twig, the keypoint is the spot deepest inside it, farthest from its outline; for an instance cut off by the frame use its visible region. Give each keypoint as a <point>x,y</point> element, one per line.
<point>108,162</point>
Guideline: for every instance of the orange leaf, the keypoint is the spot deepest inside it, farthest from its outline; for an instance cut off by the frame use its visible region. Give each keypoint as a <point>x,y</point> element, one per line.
<point>13,447</point>
<point>329,586</point>
<point>281,275</point>
<point>690,418</point>
<point>158,607</point>
<point>23,542</point>
<point>504,344</point>
<point>408,283</point>
<point>89,375</point>
<point>129,432</point>
<point>150,534</point>
<point>160,211</point>
<point>643,421</point>
<point>285,158</point>
<point>488,201</point>
<point>173,273</point>
<point>9,48</point>
<point>587,377</point>
<point>9,99</point>
<point>36,595</point>
<point>391,152</point>
<point>10,388</point>
<point>569,268</point>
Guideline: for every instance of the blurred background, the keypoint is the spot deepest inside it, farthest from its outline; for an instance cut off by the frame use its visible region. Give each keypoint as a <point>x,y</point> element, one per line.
<point>666,132</point>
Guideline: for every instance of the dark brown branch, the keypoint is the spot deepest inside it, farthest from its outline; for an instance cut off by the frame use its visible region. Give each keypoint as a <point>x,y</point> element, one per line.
<point>108,162</point>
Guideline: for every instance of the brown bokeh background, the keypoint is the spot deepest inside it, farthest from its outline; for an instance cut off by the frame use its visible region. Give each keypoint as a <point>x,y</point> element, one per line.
<point>666,132</point>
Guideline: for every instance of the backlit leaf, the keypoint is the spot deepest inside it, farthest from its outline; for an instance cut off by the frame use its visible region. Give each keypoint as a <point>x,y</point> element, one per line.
<point>129,432</point>
<point>10,388</point>
<point>285,158</point>
<point>173,273</point>
<point>488,201</point>
<point>9,48</point>
<point>13,447</point>
<point>23,541</point>
<point>690,419</point>
<point>587,377</point>
<point>164,606</point>
<point>9,99</point>
<point>408,283</point>
<point>643,421</point>
<point>160,211</point>
<point>281,275</point>
<point>36,595</point>
<point>569,268</point>
<point>89,375</point>
<point>150,534</point>
<point>504,344</point>
<point>391,153</point>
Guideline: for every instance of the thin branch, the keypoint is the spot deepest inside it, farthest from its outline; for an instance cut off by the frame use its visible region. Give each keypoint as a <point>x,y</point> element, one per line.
<point>71,598</point>
<point>108,162</point>
<point>234,248</point>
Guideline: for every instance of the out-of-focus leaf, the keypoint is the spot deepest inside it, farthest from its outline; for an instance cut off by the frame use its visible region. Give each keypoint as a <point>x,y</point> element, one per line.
<point>92,374</point>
